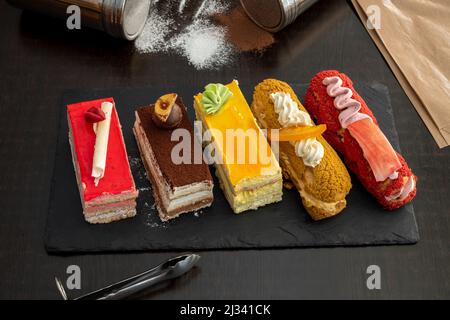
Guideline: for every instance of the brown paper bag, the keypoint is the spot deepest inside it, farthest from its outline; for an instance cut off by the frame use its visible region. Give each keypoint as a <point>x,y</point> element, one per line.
<point>414,38</point>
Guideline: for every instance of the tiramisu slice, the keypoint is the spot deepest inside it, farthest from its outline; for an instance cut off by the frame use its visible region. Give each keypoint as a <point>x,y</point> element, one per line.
<point>178,186</point>
<point>106,186</point>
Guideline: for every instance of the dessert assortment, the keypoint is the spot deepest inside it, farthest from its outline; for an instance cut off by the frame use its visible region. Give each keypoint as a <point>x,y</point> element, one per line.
<point>255,151</point>
<point>306,158</point>
<point>100,160</point>
<point>177,188</point>
<point>354,132</point>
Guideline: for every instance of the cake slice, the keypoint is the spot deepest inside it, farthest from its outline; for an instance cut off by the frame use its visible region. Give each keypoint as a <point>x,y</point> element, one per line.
<point>235,136</point>
<point>177,187</point>
<point>100,160</point>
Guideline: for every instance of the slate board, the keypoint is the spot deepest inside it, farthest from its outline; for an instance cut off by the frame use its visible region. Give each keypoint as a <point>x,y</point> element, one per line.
<point>282,225</point>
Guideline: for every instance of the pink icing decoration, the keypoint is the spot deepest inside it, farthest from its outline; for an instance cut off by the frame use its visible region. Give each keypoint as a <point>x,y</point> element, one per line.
<point>349,107</point>
<point>343,101</point>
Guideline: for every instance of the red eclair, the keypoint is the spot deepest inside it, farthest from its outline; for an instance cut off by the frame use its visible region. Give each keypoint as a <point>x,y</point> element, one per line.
<point>353,131</point>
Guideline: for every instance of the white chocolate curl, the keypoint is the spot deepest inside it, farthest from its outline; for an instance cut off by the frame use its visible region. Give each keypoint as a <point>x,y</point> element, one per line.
<point>101,143</point>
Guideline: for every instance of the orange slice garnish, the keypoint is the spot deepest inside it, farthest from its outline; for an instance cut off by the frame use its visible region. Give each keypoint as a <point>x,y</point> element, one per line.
<point>299,133</point>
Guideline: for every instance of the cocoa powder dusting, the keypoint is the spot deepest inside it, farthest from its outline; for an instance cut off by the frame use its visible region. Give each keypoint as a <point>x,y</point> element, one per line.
<point>243,33</point>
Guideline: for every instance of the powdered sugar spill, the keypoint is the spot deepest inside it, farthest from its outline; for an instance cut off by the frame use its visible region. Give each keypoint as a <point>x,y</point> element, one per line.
<point>212,7</point>
<point>134,161</point>
<point>152,38</point>
<point>182,5</point>
<point>138,170</point>
<point>204,45</point>
<point>153,224</point>
<point>201,42</point>
<point>151,216</point>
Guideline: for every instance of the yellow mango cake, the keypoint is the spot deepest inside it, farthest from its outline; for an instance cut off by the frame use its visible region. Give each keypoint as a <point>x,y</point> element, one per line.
<point>305,157</point>
<point>249,173</point>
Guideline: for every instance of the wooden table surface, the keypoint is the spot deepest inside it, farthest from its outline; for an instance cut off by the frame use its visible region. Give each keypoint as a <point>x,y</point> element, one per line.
<point>40,59</point>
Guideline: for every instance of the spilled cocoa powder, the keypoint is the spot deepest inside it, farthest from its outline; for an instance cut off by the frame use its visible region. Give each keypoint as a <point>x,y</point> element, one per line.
<point>243,33</point>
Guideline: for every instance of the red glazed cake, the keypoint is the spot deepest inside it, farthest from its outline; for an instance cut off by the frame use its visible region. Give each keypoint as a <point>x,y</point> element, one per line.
<point>109,194</point>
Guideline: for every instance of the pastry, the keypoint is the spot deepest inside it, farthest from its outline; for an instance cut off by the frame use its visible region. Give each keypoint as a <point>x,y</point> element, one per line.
<point>249,173</point>
<point>305,157</point>
<point>177,187</point>
<point>103,174</point>
<point>354,132</point>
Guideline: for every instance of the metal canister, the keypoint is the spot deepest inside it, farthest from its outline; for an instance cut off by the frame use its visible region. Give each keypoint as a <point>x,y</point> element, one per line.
<point>120,18</point>
<point>274,15</point>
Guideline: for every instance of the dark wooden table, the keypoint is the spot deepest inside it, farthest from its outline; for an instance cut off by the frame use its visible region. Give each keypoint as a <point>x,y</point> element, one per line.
<point>40,59</point>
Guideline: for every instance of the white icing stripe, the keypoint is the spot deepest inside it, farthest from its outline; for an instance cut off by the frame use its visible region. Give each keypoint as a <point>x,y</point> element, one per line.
<point>394,175</point>
<point>404,192</point>
<point>343,101</point>
<point>101,143</point>
<point>310,150</point>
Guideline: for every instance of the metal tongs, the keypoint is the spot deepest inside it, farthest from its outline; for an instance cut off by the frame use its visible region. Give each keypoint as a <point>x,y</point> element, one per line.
<point>172,268</point>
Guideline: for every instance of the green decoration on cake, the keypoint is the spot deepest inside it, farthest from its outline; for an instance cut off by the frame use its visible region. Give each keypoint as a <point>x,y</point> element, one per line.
<point>214,97</point>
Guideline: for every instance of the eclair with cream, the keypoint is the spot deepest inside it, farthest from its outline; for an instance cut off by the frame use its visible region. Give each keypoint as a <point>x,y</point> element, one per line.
<point>306,159</point>
<point>353,131</point>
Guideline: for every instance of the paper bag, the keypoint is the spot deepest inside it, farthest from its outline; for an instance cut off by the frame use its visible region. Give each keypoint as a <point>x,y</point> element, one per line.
<point>414,37</point>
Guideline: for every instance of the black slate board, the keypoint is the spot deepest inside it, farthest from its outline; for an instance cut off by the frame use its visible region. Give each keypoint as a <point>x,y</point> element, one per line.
<point>282,225</point>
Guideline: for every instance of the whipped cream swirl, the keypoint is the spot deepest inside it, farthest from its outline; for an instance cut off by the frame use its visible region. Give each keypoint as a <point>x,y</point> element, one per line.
<point>289,115</point>
<point>288,112</point>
